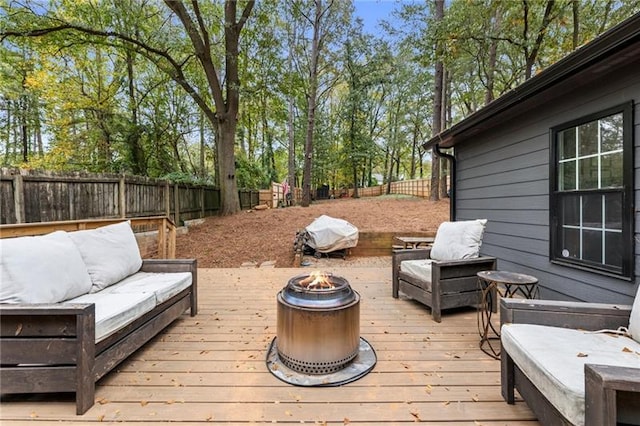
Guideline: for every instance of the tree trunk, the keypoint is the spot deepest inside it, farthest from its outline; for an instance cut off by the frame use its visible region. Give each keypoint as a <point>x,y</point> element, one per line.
<point>311,112</point>
<point>291,165</point>
<point>437,107</point>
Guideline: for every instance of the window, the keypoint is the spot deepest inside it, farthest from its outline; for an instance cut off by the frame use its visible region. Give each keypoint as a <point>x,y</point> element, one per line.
<point>591,205</point>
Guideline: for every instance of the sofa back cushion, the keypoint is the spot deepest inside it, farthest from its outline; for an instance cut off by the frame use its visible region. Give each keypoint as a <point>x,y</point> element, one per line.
<point>110,252</point>
<point>458,240</point>
<point>42,269</point>
<point>634,320</point>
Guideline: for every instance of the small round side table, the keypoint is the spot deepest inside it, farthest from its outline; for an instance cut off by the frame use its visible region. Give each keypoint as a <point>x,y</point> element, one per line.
<point>502,284</point>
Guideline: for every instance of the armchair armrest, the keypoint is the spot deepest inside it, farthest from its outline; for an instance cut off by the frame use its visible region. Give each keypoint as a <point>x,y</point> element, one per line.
<point>602,384</point>
<point>581,315</point>
<point>399,256</point>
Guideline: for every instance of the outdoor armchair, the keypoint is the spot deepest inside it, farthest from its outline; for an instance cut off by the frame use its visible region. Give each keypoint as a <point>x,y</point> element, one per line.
<point>444,276</point>
<point>572,362</point>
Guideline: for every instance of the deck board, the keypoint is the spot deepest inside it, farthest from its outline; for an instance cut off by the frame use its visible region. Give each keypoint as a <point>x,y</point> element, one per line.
<point>211,368</point>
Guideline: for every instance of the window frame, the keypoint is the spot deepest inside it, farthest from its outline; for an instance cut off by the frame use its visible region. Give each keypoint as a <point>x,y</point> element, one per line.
<point>556,196</point>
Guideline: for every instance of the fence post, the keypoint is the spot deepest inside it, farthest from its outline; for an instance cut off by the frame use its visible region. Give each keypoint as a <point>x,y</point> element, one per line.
<point>202,201</point>
<point>167,199</point>
<point>18,198</point>
<point>176,204</point>
<point>122,197</point>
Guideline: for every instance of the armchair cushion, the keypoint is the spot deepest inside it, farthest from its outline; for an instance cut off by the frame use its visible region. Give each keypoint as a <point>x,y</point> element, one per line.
<point>110,252</point>
<point>634,320</point>
<point>420,268</point>
<point>458,240</point>
<point>559,373</point>
<point>30,269</point>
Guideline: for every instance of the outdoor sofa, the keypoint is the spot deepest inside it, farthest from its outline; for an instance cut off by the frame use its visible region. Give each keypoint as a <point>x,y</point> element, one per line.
<point>566,366</point>
<point>73,305</point>
<point>444,276</point>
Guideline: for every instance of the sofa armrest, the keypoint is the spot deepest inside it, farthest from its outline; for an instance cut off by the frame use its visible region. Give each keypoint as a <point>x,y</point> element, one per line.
<point>602,384</point>
<point>169,265</point>
<point>49,348</point>
<point>177,265</point>
<point>581,315</point>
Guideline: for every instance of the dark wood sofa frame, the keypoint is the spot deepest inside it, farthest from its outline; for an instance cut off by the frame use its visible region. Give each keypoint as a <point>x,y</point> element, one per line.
<point>51,347</point>
<point>454,282</point>
<point>604,385</point>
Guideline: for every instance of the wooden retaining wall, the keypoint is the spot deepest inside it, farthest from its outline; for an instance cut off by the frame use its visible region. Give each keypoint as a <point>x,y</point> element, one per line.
<point>381,243</point>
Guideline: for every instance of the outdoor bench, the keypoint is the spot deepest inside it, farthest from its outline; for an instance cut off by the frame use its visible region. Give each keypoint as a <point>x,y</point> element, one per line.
<point>73,305</point>
<point>567,366</point>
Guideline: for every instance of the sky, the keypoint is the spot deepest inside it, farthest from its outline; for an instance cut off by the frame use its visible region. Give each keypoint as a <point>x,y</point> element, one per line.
<point>372,11</point>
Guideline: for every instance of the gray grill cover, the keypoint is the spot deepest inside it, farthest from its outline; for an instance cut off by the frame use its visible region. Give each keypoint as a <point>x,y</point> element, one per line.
<point>327,234</point>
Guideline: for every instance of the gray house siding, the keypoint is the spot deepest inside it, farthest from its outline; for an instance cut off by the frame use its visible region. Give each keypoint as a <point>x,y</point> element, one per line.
<point>503,175</point>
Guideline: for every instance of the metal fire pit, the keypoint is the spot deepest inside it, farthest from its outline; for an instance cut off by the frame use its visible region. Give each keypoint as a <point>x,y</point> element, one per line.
<point>318,333</point>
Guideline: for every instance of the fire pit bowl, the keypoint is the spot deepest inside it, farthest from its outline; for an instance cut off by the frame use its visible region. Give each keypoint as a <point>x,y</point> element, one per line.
<point>318,332</point>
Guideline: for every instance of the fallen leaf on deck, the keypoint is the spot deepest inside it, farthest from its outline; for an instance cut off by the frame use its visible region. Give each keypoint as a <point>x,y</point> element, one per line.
<point>143,403</point>
<point>582,355</point>
<point>625,349</point>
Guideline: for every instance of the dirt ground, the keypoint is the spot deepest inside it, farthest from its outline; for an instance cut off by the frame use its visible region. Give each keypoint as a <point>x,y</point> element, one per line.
<point>260,236</point>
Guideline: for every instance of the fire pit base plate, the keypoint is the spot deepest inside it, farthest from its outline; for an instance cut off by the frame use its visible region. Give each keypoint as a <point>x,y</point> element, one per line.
<point>359,367</point>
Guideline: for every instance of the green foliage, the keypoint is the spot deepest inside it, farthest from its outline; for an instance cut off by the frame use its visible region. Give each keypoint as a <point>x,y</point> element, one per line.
<point>74,100</point>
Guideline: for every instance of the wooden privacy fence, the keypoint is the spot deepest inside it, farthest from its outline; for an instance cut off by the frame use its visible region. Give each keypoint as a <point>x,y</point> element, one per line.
<point>27,197</point>
<point>274,197</point>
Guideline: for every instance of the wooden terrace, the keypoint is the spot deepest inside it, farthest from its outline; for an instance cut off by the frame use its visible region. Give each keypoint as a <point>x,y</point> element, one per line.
<point>211,368</point>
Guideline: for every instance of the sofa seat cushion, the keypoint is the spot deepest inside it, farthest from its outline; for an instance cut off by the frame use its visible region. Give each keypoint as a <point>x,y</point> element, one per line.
<point>458,240</point>
<point>553,359</point>
<point>634,319</point>
<point>420,269</point>
<point>110,252</point>
<point>116,310</point>
<point>42,269</point>
<point>162,285</point>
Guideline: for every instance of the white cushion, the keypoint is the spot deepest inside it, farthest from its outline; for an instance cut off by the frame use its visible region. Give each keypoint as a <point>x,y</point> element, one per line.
<point>420,268</point>
<point>162,285</point>
<point>634,320</point>
<point>42,269</point>
<point>458,240</point>
<point>114,310</point>
<point>110,252</point>
<point>549,357</point>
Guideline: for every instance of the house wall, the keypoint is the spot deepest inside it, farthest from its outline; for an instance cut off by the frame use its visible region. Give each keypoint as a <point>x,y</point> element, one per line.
<point>503,175</point>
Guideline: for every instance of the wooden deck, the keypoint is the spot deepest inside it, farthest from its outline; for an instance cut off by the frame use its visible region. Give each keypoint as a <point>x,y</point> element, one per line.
<point>211,368</point>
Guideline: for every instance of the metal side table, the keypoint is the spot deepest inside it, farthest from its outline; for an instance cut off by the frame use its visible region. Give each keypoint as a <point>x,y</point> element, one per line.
<point>506,284</point>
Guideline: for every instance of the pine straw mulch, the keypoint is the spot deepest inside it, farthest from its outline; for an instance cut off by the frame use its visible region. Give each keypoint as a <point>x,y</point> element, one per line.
<point>267,235</point>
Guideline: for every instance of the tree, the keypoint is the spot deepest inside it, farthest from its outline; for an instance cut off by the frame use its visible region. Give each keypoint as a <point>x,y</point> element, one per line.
<point>225,94</point>
<point>437,106</point>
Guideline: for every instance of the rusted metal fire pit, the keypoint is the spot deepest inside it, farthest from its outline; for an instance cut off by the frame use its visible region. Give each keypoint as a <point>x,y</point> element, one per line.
<point>318,334</point>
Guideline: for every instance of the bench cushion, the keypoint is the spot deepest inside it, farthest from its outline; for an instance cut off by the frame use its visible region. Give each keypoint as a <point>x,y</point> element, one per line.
<point>559,373</point>
<point>458,240</point>
<point>31,272</point>
<point>420,268</point>
<point>116,310</point>
<point>162,285</point>
<point>634,320</point>
<point>110,252</point>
